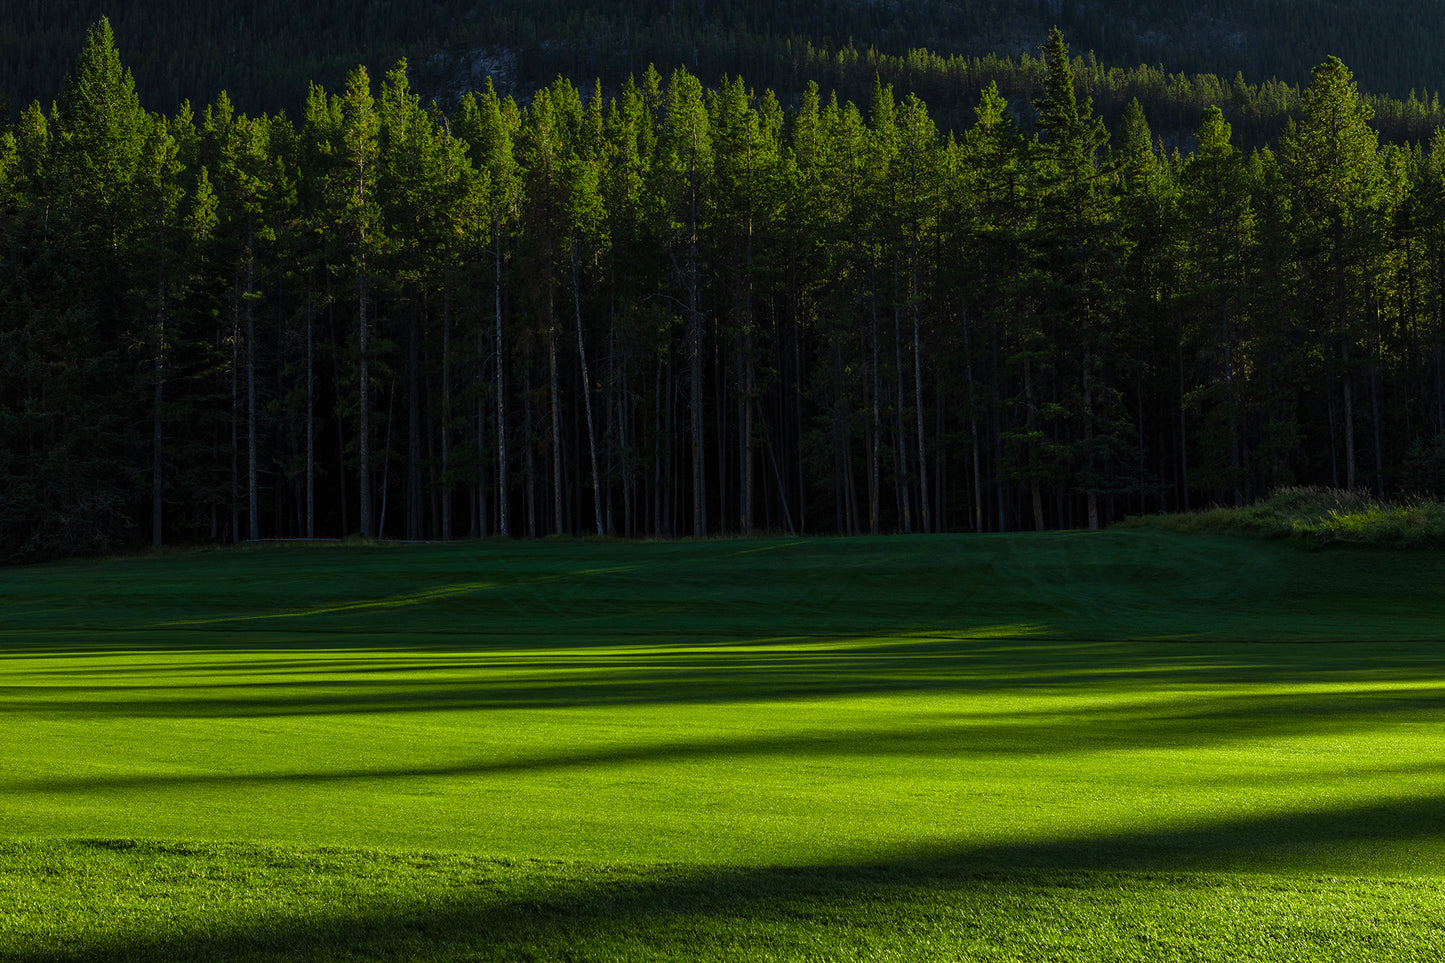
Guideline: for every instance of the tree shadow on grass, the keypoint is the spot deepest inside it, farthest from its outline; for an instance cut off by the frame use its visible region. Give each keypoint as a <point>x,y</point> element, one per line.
<point>335,905</point>
<point>146,684</point>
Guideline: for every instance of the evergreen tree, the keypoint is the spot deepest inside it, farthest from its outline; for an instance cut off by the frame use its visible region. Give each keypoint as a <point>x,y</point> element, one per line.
<point>1079,246</point>
<point>358,150</point>
<point>1332,165</point>
<point>1217,238</point>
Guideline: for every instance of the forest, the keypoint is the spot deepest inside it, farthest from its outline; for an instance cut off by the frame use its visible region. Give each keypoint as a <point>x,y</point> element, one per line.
<point>1249,57</point>
<point>681,310</point>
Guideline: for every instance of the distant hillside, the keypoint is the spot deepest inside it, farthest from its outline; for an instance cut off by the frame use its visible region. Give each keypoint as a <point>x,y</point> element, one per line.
<point>264,52</point>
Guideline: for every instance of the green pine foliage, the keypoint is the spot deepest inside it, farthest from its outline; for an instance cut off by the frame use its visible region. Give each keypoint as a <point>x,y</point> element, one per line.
<point>681,310</point>
<point>1252,57</point>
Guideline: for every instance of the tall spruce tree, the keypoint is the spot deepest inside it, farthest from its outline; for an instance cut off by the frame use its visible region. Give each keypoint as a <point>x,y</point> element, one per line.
<point>1331,160</point>
<point>1079,247</point>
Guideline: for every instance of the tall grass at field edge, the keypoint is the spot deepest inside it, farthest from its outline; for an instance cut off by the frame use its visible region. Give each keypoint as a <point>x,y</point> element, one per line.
<point>1317,516</point>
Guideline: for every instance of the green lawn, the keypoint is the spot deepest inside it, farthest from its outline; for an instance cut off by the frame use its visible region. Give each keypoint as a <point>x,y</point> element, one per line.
<point>1127,745</point>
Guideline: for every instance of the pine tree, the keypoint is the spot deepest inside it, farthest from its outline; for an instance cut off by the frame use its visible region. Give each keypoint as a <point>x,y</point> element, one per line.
<point>687,160</point>
<point>1331,161</point>
<point>358,150</point>
<point>1217,234</point>
<point>1079,248</point>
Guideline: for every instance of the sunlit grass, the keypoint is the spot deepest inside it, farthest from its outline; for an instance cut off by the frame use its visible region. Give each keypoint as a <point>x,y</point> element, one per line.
<point>229,902</point>
<point>833,744</point>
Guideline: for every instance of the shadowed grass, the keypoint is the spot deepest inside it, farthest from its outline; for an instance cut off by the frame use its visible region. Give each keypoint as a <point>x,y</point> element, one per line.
<point>1317,516</point>
<point>781,749</point>
<point>190,903</point>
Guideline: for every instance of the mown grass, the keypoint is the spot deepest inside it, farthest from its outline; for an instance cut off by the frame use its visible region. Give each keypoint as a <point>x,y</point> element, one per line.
<point>229,902</point>
<point>1318,516</point>
<point>1126,745</point>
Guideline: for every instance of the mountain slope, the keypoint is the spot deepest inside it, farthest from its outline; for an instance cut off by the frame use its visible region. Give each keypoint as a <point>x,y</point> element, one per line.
<point>265,51</point>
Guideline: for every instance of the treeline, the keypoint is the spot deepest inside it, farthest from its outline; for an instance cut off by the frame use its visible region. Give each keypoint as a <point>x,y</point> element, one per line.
<point>1258,112</point>
<point>681,311</point>
<point>1245,56</point>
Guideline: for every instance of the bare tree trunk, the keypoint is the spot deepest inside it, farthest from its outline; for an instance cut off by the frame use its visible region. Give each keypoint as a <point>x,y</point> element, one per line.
<point>502,523</point>
<point>1351,465</point>
<point>337,407</point>
<point>903,485</point>
<point>875,472</point>
<point>657,452</point>
<point>235,416</point>
<point>446,486</point>
<point>745,430</point>
<point>157,432</point>
<point>1183,423</point>
<point>480,502</point>
<point>1031,421</point>
<point>531,491</point>
<point>778,477</point>
<point>1379,433</point>
<point>1091,497</point>
<point>587,397</point>
<point>629,468</point>
<point>1351,474</point>
<point>386,459</point>
<point>923,506</point>
<point>310,428</point>
<point>973,424</point>
<point>1234,454</point>
<point>364,428</point>
<point>253,506</point>
<point>556,409</point>
<point>412,486</point>
<point>694,368</point>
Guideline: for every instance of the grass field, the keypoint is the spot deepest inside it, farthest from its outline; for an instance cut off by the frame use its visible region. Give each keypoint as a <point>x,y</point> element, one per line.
<point>1131,745</point>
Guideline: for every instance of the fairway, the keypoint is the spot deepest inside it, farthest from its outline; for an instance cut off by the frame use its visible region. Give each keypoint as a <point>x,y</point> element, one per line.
<point>729,749</point>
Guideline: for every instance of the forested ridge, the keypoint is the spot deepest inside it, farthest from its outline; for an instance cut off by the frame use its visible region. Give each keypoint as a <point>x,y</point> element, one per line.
<point>681,310</point>
<point>1249,57</point>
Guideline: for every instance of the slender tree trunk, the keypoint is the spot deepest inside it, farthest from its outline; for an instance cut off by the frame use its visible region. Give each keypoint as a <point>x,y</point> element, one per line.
<point>556,414</point>
<point>310,426</point>
<point>386,459</point>
<point>694,368</point>
<point>1233,403</point>
<point>446,485</point>
<point>502,510</point>
<point>612,406</point>
<point>1351,473</point>
<point>996,421</point>
<point>923,507</point>
<point>1378,430</point>
<point>1031,422</point>
<point>253,505</point>
<point>778,477</point>
<point>364,399</point>
<point>413,425</point>
<point>480,502</point>
<point>157,427</point>
<point>972,422</point>
<point>587,397</point>
<point>1351,464</point>
<point>905,498</point>
<point>657,401</point>
<point>235,414</point>
<point>531,449</point>
<point>337,408</point>
<point>875,484</point>
<point>1183,421</point>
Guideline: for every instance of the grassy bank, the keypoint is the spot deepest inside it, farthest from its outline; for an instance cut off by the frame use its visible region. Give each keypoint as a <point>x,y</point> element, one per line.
<point>1317,516</point>
<point>1004,746</point>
